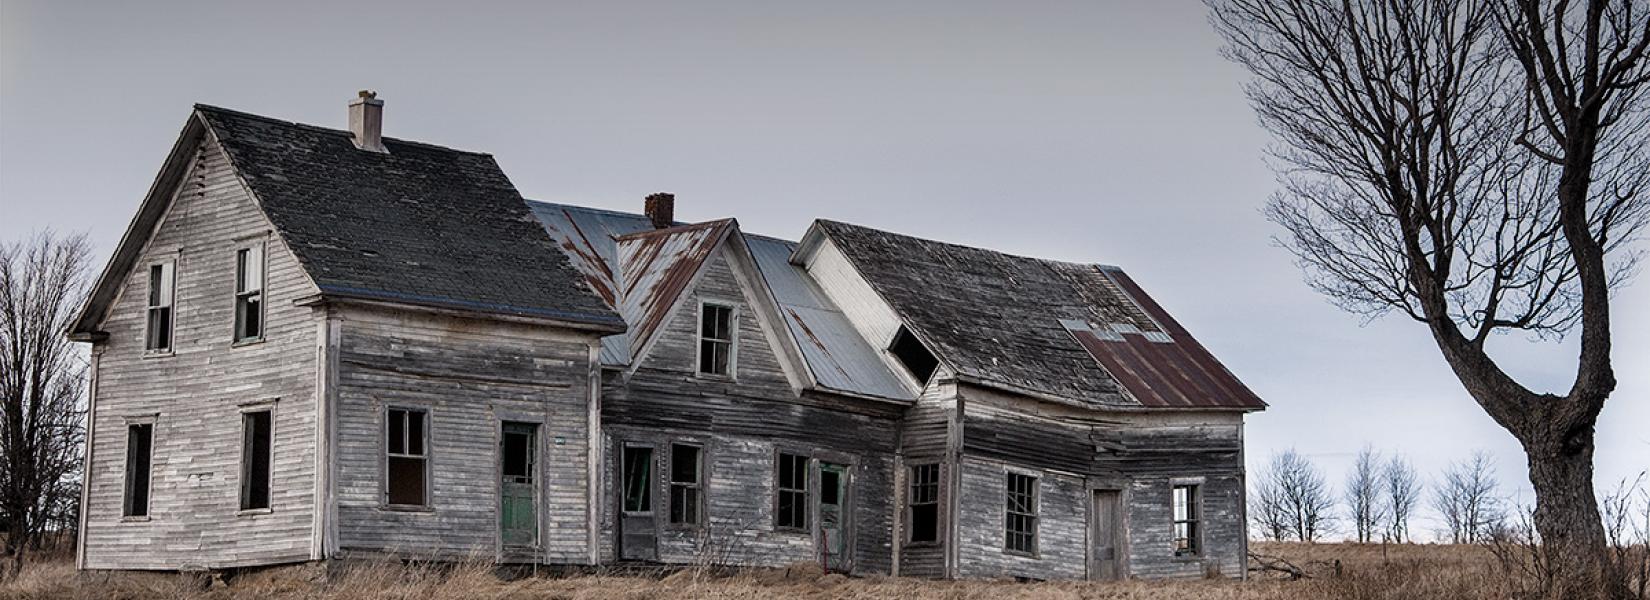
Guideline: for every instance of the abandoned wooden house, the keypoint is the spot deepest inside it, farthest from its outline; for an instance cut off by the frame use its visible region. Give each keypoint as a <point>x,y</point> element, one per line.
<point>317,344</point>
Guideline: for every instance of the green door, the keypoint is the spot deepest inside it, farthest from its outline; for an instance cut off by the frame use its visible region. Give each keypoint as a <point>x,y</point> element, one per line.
<point>834,518</point>
<point>518,514</point>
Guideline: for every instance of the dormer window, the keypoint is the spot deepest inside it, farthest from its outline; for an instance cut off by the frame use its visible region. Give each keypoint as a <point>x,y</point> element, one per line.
<point>915,357</point>
<point>249,293</point>
<point>716,339</point>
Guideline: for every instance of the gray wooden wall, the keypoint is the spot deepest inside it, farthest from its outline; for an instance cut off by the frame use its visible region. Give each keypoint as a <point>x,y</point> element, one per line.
<point>195,394</point>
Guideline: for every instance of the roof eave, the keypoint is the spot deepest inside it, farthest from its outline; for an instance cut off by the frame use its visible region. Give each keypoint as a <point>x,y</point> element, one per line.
<point>600,324</point>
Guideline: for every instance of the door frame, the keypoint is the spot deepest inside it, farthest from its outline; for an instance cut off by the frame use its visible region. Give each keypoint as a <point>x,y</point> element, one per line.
<point>1120,515</point>
<point>848,525</point>
<point>537,421</point>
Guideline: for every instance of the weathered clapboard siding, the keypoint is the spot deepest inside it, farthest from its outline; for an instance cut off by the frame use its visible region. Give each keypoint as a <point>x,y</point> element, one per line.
<point>742,424</point>
<point>195,394</point>
<point>1151,533</point>
<point>470,375</point>
<point>1062,524</point>
<point>925,438</point>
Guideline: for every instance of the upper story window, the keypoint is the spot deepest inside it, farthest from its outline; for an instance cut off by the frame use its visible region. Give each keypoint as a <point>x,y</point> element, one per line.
<point>1186,500</point>
<point>162,285</point>
<point>716,339</point>
<point>913,355</point>
<point>249,293</point>
<point>1020,528</point>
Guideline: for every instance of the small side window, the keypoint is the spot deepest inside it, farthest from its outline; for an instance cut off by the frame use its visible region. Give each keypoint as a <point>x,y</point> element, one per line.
<point>792,496</point>
<point>686,484</point>
<point>913,355</point>
<point>716,339</point>
<point>140,448</point>
<point>1021,525</point>
<point>407,458</point>
<point>924,500</point>
<point>1186,510</point>
<point>256,438</point>
<point>249,293</point>
<point>158,328</point>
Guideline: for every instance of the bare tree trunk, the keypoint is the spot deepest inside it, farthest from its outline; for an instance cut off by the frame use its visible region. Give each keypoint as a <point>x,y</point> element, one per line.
<point>1567,517</point>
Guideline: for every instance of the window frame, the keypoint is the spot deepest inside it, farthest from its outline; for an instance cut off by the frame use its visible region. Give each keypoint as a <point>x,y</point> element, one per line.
<point>698,485</point>
<point>732,342</point>
<point>246,411</point>
<point>1034,517</point>
<point>126,479</point>
<point>805,491</point>
<point>428,419</point>
<point>170,291</point>
<point>911,503</point>
<point>262,293</point>
<point>1193,518</point>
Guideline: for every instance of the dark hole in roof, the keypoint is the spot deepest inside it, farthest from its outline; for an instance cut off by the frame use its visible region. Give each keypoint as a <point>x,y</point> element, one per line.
<point>913,355</point>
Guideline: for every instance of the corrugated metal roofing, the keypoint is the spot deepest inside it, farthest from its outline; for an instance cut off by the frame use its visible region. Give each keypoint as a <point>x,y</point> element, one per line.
<point>840,358</point>
<point>655,266</point>
<point>588,236</point>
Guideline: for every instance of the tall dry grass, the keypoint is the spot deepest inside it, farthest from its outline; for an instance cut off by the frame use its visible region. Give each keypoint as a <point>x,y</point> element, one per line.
<point>1399,572</point>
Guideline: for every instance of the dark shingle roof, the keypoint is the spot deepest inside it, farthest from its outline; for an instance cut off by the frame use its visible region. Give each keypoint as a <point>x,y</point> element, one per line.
<point>420,224</point>
<point>997,318</point>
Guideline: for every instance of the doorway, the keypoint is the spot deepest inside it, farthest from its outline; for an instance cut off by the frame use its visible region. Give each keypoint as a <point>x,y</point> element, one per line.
<point>1105,536</point>
<point>638,530</point>
<point>835,518</point>
<point>518,501</point>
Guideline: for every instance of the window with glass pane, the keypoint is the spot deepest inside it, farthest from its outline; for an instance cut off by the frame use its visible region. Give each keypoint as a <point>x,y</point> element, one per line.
<point>158,334</point>
<point>255,459</point>
<point>408,457</point>
<point>249,293</point>
<point>1020,528</point>
<point>1185,520</point>
<point>638,479</point>
<point>686,472</point>
<point>792,511</point>
<point>715,339</point>
<point>925,503</point>
<point>140,438</point>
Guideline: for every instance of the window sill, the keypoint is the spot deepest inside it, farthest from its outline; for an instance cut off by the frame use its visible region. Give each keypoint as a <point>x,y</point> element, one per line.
<point>159,353</point>
<point>132,519</point>
<point>407,508</point>
<point>795,530</point>
<point>250,512</point>
<point>909,545</point>
<point>715,377</point>
<point>247,342</point>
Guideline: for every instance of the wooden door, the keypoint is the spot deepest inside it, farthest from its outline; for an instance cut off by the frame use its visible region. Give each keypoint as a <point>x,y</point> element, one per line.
<point>518,506</point>
<point>638,531</point>
<point>1105,536</point>
<point>834,516</point>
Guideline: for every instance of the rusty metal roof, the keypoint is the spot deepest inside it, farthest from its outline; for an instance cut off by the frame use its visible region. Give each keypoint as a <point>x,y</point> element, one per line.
<point>655,266</point>
<point>588,236</point>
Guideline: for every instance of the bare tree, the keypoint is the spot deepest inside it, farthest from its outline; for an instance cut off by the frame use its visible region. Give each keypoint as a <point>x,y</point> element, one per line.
<point>1293,499</point>
<point>1478,166</point>
<point>42,392</point>
<point>1266,510</point>
<point>1363,495</point>
<point>1401,491</point>
<point>1468,500</point>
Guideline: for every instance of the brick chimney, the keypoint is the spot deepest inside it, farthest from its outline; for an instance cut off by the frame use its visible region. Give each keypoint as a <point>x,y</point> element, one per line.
<point>661,209</point>
<point>366,121</point>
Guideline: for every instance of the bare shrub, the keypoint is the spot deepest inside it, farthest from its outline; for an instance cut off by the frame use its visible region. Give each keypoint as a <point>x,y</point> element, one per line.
<point>1363,495</point>
<point>1468,501</point>
<point>1401,491</point>
<point>1292,500</point>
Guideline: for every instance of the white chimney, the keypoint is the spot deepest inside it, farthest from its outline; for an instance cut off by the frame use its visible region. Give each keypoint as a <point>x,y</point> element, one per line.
<point>366,121</point>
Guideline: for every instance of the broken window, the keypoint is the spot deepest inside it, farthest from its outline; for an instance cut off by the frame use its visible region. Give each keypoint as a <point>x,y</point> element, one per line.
<point>1185,520</point>
<point>792,509</point>
<point>1020,527</point>
<point>715,339</point>
<point>162,283</point>
<point>140,438</point>
<point>638,479</point>
<point>686,472</point>
<point>924,501</point>
<point>408,457</point>
<point>913,355</point>
<point>255,455</point>
<point>249,293</point>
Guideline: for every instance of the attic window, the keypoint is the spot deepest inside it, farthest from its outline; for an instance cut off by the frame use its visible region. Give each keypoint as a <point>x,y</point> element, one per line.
<point>911,353</point>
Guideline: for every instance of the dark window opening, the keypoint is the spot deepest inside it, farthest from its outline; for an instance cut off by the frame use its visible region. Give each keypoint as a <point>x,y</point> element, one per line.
<point>830,490</point>
<point>792,510</point>
<point>249,293</point>
<point>255,459</point>
<point>1185,520</point>
<point>139,453</point>
<point>715,339</point>
<point>686,482</point>
<point>638,479</point>
<point>518,452</point>
<point>925,503</point>
<point>1020,527</point>
<point>913,355</point>
<point>407,460</point>
<point>158,333</point>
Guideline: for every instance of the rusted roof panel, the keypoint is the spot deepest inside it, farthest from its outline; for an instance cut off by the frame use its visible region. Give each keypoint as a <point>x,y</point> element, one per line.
<point>655,266</point>
<point>838,356</point>
<point>588,237</point>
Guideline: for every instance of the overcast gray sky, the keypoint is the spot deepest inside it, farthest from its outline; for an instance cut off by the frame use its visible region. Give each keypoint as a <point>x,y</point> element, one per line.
<point>1087,131</point>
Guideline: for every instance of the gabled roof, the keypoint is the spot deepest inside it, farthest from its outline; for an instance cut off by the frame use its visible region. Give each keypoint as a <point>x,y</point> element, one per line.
<point>1000,319</point>
<point>420,224</point>
<point>655,266</point>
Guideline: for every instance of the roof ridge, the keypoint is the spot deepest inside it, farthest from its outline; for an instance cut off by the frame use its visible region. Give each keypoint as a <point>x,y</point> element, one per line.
<point>241,113</point>
<point>675,229</point>
<point>1101,266</point>
<point>579,207</point>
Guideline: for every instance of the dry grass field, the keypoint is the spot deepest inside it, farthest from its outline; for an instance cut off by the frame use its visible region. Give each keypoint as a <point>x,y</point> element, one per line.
<point>1404,572</point>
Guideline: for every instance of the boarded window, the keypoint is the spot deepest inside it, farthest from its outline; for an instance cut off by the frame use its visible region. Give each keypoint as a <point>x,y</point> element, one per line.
<point>408,457</point>
<point>715,339</point>
<point>686,483</point>
<point>158,329</point>
<point>1186,499</point>
<point>913,355</point>
<point>249,293</point>
<point>925,503</point>
<point>638,479</point>
<point>1020,527</point>
<point>792,497</point>
<point>140,439</point>
<point>256,437</point>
